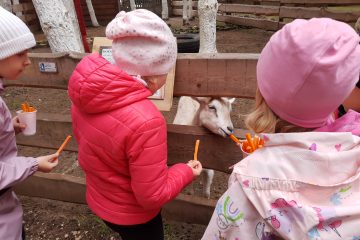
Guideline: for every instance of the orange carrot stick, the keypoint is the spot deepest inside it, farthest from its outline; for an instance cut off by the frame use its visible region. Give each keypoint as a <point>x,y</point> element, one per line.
<point>61,148</point>
<point>26,106</point>
<point>196,149</point>
<point>250,141</point>
<point>261,142</point>
<point>232,136</point>
<point>256,141</point>
<point>31,109</point>
<point>248,149</point>
<point>23,107</point>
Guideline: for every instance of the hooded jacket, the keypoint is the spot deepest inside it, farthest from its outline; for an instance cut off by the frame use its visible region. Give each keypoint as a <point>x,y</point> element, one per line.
<point>122,141</point>
<point>13,170</point>
<point>299,186</point>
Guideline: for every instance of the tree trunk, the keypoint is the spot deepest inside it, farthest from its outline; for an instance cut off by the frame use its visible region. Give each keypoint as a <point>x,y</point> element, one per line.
<point>187,11</point>
<point>90,7</point>
<point>164,10</point>
<point>58,25</point>
<point>6,4</point>
<point>207,10</point>
<point>132,5</point>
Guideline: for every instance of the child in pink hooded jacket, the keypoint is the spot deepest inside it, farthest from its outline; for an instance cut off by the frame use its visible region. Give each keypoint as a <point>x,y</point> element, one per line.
<point>305,182</point>
<point>15,40</point>
<point>121,134</point>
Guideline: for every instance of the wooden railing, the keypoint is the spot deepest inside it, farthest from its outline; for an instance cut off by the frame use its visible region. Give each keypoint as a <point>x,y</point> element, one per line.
<point>196,75</point>
<point>26,12</point>
<point>274,16</point>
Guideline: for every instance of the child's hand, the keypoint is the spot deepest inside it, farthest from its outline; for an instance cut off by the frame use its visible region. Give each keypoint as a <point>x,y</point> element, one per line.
<point>18,127</point>
<point>195,166</point>
<point>47,163</point>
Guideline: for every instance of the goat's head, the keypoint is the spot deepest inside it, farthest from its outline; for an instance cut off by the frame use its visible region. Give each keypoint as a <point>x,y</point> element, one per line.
<point>214,114</point>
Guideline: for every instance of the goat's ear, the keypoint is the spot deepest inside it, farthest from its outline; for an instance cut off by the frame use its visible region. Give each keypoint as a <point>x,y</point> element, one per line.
<point>232,100</point>
<point>204,100</point>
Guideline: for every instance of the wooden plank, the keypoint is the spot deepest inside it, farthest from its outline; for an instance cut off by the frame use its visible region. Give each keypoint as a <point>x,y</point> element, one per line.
<point>179,12</point>
<point>184,208</point>
<point>250,22</point>
<point>196,74</point>
<point>180,3</point>
<point>249,9</point>
<point>54,186</point>
<point>324,2</point>
<point>28,17</point>
<point>307,13</point>
<point>215,152</point>
<point>205,75</point>
<point>22,7</point>
<point>190,209</point>
<point>32,77</point>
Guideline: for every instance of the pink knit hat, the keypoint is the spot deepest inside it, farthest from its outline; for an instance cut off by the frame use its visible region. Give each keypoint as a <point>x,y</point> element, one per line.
<point>143,44</point>
<point>308,68</point>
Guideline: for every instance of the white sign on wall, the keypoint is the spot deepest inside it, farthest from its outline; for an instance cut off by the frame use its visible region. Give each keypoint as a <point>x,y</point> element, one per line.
<point>47,67</point>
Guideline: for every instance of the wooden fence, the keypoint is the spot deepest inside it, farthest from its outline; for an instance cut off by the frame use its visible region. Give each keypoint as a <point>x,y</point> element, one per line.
<point>279,12</point>
<point>26,12</point>
<point>264,14</point>
<point>196,75</point>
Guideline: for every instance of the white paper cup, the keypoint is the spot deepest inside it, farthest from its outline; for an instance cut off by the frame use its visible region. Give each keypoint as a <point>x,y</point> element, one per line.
<point>28,118</point>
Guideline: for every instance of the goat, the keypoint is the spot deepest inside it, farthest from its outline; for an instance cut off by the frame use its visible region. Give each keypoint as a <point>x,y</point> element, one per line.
<point>212,113</point>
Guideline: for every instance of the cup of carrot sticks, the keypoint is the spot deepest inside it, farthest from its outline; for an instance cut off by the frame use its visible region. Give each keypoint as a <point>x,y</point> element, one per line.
<point>27,116</point>
<point>250,144</point>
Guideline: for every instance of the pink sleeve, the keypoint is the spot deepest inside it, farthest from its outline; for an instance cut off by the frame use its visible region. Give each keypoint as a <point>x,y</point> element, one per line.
<point>153,183</point>
<point>350,122</point>
<point>16,170</point>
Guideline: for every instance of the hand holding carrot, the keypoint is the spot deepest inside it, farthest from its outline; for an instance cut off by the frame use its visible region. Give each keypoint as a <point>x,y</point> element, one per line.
<point>47,163</point>
<point>195,166</point>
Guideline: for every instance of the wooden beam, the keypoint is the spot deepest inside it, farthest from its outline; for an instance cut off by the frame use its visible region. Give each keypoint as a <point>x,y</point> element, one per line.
<point>307,13</point>
<point>22,7</point>
<point>249,9</point>
<point>318,2</point>
<point>196,74</point>
<point>55,186</point>
<point>28,17</point>
<point>250,22</point>
<point>180,3</point>
<point>215,152</point>
<point>179,12</point>
<point>231,75</point>
<point>190,209</point>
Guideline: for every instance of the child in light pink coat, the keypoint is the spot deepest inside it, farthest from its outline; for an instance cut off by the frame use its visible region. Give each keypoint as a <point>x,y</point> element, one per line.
<point>305,182</point>
<point>15,40</point>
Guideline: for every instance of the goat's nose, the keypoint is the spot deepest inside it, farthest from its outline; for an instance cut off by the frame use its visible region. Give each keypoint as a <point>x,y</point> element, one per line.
<point>231,129</point>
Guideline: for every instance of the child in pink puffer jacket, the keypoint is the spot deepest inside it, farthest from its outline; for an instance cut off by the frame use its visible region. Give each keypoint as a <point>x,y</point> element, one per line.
<point>305,182</point>
<point>121,134</point>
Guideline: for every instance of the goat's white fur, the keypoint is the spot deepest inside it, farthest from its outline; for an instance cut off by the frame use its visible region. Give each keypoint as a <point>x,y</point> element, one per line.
<point>212,113</point>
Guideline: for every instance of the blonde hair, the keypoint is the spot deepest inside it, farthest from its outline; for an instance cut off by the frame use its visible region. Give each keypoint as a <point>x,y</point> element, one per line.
<point>264,120</point>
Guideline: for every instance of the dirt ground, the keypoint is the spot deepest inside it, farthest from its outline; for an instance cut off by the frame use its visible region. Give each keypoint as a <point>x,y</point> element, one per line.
<point>49,219</point>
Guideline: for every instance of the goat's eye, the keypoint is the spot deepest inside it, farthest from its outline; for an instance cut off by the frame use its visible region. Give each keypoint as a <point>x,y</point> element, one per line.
<point>212,107</point>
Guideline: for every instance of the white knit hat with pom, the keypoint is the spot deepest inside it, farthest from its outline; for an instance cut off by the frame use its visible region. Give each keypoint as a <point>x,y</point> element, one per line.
<point>143,44</point>
<point>15,36</point>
